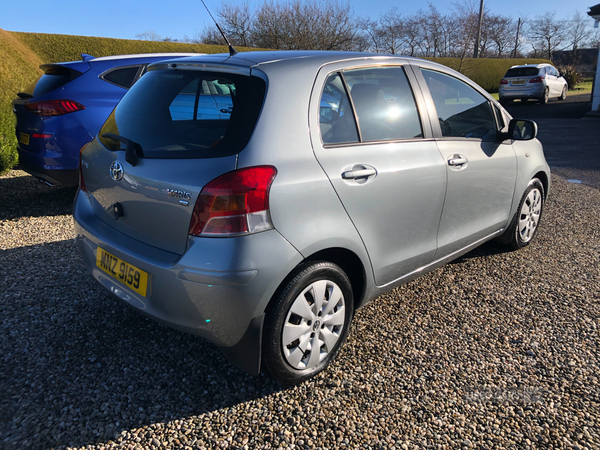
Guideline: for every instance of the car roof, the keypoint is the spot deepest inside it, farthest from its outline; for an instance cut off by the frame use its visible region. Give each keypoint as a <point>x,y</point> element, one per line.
<point>313,58</point>
<point>141,55</point>
<point>532,65</point>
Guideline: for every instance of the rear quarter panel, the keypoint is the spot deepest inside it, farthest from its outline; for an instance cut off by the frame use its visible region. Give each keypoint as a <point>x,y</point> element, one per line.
<point>304,206</point>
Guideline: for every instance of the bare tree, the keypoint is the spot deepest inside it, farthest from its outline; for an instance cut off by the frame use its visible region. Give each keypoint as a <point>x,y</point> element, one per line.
<point>501,31</point>
<point>391,28</point>
<point>195,38</point>
<point>594,40</point>
<point>370,28</point>
<point>237,23</point>
<point>412,35</point>
<point>547,34</point>
<point>330,25</point>
<point>148,36</point>
<point>387,34</point>
<point>436,31</point>
<point>209,35</point>
<point>465,22</point>
<point>577,33</point>
<point>304,25</point>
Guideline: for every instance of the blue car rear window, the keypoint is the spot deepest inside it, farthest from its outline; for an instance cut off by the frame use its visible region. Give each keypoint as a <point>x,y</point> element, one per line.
<point>187,114</point>
<point>54,77</point>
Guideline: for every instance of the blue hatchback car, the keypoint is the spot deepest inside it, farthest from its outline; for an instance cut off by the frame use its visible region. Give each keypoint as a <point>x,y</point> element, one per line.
<point>65,108</point>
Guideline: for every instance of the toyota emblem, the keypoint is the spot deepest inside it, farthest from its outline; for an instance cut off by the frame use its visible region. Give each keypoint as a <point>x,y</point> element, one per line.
<point>116,170</point>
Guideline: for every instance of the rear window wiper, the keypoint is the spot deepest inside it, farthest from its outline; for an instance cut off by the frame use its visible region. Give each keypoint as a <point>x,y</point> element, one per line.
<point>132,149</point>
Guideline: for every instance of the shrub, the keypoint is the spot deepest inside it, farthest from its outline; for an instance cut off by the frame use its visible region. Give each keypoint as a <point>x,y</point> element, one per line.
<point>570,74</point>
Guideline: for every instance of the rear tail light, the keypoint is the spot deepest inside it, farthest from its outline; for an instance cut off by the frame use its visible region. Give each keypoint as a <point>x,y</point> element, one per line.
<point>234,203</point>
<point>503,81</point>
<point>41,135</point>
<point>81,180</point>
<point>53,107</point>
<point>536,80</point>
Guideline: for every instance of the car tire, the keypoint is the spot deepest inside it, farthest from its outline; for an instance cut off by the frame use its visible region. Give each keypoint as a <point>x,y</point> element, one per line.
<point>524,100</point>
<point>505,101</point>
<point>563,95</point>
<point>544,99</point>
<point>313,308</point>
<point>526,220</point>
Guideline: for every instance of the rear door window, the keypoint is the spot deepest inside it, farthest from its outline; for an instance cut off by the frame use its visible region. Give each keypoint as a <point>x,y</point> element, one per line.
<point>122,77</point>
<point>187,114</point>
<point>384,104</point>
<point>335,113</point>
<point>383,107</point>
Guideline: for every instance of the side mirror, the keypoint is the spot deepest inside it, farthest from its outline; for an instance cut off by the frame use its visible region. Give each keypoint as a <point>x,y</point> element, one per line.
<point>520,130</point>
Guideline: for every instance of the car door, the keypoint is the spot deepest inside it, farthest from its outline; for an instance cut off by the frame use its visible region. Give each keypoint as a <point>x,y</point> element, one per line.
<point>481,171</point>
<point>550,82</point>
<point>376,146</point>
<point>558,82</point>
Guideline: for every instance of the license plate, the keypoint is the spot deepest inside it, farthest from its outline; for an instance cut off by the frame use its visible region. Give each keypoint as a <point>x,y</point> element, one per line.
<point>24,138</point>
<point>126,273</point>
<point>519,82</point>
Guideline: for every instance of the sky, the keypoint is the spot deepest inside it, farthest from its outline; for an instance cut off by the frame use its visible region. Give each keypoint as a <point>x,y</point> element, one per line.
<point>125,19</point>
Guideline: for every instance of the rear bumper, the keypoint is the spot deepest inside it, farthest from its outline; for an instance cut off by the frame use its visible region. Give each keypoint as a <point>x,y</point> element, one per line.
<point>65,177</point>
<point>536,91</point>
<point>218,289</point>
<point>54,159</point>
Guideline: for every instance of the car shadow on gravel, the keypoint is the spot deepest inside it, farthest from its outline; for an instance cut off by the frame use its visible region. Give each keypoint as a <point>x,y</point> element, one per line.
<point>78,367</point>
<point>24,196</point>
<point>487,249</point>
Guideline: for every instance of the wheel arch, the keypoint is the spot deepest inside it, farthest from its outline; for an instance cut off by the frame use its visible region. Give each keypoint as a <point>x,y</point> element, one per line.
<point>543,177</point>
<point>348,261</point>
<point>351,264</point>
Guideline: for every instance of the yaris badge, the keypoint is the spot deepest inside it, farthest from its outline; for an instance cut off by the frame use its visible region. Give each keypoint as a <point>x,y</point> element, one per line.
<point>116,171</point>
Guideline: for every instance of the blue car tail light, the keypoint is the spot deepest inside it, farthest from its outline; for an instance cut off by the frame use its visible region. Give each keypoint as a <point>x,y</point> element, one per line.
<point>53,107</point>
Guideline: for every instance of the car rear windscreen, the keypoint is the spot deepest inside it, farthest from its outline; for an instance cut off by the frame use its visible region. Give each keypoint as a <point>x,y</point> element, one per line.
<point>187,114</point>
<point>54,77</point>
<point>522,72</point>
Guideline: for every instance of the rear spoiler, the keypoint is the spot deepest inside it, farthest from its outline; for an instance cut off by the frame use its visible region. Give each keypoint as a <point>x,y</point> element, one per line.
<point>71,70</point>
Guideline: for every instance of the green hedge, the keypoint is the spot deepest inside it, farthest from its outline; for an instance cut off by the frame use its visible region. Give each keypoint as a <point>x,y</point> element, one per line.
<point>486,72</point>
<point>53,48</point>
<point>18,69</point>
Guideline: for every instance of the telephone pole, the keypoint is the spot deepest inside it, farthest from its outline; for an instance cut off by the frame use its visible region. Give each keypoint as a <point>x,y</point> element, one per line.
<point>517,39</point>
<point>476,51</point>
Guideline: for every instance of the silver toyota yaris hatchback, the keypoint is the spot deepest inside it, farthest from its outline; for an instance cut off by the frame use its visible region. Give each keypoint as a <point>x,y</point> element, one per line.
<point>258,200</point>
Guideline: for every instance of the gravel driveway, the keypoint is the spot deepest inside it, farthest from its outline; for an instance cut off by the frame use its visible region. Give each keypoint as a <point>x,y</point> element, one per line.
<point>495,350</point>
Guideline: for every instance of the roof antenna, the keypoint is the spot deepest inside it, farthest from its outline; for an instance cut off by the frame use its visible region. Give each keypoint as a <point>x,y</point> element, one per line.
<point>232,50</point>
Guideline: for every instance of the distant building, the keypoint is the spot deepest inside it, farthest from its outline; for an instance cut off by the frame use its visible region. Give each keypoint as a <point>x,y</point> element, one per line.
<point>585,59</point>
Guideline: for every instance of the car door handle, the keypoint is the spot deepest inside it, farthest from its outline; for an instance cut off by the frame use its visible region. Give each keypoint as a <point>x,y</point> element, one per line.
<point>457,160</point>
<point>361,173</point>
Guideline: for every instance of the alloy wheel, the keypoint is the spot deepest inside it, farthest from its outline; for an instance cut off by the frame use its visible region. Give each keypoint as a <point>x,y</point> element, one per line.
<point>529,216</point>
